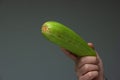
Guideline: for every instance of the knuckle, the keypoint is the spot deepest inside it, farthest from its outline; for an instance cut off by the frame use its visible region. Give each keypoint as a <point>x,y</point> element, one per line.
<point>83,59</point>
<point>86,67</point>
<point>89,59</point>
<point>90,74</point>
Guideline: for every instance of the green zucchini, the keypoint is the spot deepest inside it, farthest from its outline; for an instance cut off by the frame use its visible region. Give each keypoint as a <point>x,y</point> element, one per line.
<point>66,38</point>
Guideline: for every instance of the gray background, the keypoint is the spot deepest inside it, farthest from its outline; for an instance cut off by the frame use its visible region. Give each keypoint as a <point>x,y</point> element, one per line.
<point>26,55</point>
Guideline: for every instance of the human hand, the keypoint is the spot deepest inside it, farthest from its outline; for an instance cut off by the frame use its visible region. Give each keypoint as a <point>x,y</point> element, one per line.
<point>88,67</point>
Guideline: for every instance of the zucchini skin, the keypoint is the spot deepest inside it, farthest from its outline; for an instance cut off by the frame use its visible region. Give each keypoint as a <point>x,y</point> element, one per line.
<point>65,37</point>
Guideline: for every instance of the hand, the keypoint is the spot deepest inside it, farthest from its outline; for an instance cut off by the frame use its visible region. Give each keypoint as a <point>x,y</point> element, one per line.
<point>88,67</point>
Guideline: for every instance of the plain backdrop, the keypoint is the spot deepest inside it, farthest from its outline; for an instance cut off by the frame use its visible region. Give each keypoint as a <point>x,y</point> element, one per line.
<point>26,55</point>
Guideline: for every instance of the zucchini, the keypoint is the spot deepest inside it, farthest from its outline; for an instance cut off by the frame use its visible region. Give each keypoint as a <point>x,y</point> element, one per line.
<point>66,38</point>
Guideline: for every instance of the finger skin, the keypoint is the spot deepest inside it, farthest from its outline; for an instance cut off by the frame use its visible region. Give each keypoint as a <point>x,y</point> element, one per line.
<point>70,55</point>
<point>87,68</point>
<point>89,76</point>
<point>87,60</point>
<point>83,73</point>
<point>91,45</point>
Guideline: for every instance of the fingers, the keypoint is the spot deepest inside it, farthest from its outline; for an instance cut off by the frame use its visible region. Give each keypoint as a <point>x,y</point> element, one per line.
<point>89,76</point>
<point>87,60</point>
<point>69,54</point>
<point>72,56</point>
<point>91,45</point>
<point>87,68</point>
